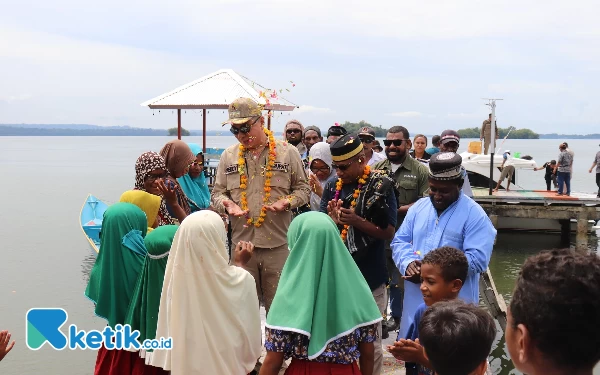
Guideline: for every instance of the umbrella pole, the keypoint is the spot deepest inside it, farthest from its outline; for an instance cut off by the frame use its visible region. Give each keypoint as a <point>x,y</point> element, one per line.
<point>204,130</point>
<point>178,123</point>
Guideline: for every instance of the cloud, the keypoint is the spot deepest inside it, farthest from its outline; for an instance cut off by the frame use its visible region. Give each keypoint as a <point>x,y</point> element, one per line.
<point>406,114</point>
<point>463,115</point>
<point>312,109</point>
<point>15,98</point>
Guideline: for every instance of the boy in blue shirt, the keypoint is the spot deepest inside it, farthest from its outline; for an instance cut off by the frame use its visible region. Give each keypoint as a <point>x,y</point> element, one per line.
<point>443,273</point>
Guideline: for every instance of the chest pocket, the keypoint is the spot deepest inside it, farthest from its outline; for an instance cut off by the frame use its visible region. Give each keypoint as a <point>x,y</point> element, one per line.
<point>454,239</point>
<point>233,181</point>
<point>406,191</point>
<point>407,184</point>
<point>281,179</point>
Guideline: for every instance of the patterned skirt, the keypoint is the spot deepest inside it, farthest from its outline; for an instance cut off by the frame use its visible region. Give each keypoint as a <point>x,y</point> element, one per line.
<point>300,367</point>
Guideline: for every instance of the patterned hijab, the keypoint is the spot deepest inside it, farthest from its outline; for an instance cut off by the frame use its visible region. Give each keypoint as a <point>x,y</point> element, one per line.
<point>146,163</point>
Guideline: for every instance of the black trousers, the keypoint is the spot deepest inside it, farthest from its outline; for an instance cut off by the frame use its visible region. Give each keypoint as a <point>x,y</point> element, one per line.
<point>598,182</point>
<point>549,180</point>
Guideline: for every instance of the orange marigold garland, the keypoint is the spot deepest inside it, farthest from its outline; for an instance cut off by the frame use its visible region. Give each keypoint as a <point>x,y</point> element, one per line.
<point>268,174</point>
<point>338,189</point>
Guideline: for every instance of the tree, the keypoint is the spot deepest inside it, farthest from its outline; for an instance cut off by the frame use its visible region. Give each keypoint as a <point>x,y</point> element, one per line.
<point>184,132</point>
<point>515,134</point>
<point>355,127</point>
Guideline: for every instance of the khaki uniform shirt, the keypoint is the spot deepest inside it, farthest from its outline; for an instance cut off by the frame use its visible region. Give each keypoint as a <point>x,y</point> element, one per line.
<point>289,180</point>
<point>486,130</point>
<point>412,181</point>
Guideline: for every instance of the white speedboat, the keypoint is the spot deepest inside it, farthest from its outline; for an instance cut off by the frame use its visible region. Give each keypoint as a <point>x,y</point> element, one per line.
<point>478,169</point>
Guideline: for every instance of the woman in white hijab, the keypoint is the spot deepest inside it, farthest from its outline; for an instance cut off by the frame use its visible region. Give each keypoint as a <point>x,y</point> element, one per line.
<point>319,158</point>
<point>208,307</point>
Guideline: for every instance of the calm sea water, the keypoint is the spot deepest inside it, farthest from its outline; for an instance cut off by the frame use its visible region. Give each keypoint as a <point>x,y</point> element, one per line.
<point>45,260</point>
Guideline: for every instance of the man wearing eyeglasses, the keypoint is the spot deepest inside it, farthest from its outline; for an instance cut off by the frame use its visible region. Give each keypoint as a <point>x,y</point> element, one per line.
<point>367,137</point>
<point>288,188</point>
<point>411,178</point>
<point>365,213</point>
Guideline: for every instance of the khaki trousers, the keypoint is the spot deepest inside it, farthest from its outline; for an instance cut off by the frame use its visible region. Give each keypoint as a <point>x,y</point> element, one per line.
<point>380,295</point>
<point>265,266</point>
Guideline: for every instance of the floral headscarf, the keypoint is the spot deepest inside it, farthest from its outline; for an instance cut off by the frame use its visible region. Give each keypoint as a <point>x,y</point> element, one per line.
<point>146,163</point>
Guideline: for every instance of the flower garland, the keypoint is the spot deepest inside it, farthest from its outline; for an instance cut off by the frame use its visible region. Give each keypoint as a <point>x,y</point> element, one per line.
<point>338,189</point>
<point>268,175</point>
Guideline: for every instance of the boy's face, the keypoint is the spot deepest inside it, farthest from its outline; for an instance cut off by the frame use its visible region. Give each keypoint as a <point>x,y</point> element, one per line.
<point>433,286</point>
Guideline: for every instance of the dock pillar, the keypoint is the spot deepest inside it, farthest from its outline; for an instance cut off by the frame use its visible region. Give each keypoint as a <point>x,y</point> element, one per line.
<point>581,240</point>
<point>494,220</point>
<point>565,232</point>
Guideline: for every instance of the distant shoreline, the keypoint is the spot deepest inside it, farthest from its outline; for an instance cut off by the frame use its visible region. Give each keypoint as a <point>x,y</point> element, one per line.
<point>84,130</point>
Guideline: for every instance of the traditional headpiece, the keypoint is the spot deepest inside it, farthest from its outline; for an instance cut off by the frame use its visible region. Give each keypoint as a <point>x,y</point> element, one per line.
<point>346,147</point>
<point>445,166</point>
<point>449,136</point>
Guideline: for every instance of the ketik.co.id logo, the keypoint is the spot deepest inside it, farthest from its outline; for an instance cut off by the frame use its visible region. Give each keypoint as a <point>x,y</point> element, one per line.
<point>43,325</point>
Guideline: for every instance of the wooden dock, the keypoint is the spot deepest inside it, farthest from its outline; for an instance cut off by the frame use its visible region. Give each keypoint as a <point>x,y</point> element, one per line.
<point>542,204</point>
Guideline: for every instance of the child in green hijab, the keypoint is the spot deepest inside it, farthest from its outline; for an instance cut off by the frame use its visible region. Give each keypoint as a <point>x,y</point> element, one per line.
<point>324,315</point>
<point>113,279</point>
<point>143,309</point>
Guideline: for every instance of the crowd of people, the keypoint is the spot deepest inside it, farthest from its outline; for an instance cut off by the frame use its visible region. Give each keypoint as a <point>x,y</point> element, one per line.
<point>326,234</point>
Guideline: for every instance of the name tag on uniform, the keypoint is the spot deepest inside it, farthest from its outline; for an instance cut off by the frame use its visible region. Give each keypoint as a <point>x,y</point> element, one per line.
<point>281,167</point>
<point>233,168</point>
<point>410,176</point>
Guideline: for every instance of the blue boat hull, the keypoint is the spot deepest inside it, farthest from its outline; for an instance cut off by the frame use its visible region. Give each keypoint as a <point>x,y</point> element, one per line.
<point>91,216</point>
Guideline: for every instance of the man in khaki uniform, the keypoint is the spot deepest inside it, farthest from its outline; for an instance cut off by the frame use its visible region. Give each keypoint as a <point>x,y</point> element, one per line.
<point>412,183</point>
<point>486,133</point>
<point>288,187</point>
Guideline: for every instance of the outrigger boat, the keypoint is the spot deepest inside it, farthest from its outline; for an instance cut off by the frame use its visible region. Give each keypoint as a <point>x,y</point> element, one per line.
<point>91,220</point>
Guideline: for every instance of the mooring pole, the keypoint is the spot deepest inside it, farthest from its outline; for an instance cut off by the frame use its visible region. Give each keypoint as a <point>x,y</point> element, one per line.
<point>178,123</point>
<point>204,130</point>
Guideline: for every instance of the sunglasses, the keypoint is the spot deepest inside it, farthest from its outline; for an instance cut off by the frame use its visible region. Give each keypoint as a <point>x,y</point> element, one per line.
<point>154,177</point>
<point>292,131</point>
<point>244,128</point>
<point>396,142</point>
<point>366,140</point>
<point>341,167</point>
<point>196,163</point>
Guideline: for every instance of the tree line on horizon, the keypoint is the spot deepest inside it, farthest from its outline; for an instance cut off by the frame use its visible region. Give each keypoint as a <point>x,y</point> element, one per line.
<point>380,131</point>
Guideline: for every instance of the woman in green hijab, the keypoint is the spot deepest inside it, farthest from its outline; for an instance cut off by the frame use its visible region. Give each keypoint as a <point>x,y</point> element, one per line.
<point>143,309</point>
<point>324,315</point>
<point>113,278</point>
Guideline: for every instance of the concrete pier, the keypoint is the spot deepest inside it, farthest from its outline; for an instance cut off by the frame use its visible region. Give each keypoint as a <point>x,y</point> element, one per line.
<point>526,206</point>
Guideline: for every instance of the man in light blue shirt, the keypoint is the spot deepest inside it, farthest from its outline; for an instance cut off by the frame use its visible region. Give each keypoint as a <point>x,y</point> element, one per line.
<point>447,218</point>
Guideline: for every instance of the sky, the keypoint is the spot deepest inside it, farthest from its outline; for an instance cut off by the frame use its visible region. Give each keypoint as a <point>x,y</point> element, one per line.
<point>425,65</point>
